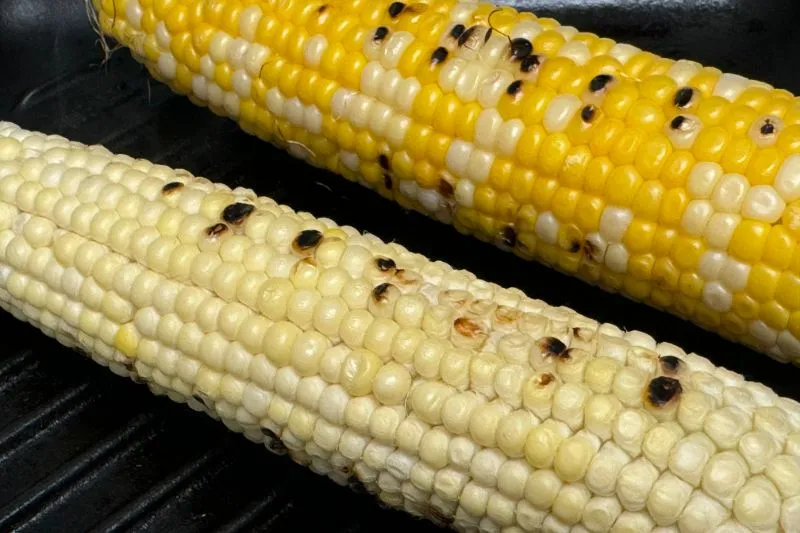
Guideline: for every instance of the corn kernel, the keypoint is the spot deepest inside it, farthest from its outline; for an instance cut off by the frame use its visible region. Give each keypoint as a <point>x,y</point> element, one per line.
<point>542,193</point>
<point>534,104</point>
<point>529,145</point>
<point>711,143</point>
<point>605,136</point>
<point>639,236</point>
<point>677,168</point>
<point>762,282</point>
<point>521,183</point>
<point>652,156</point>
<point>659,89</point>
<point>774,315</point>
<point>588,211</point>
<point>764,165</point>
<point>787,291</point>
<point>622,186</point>
<point>665,273</point>
<point>466,119</point>
<point>673,205</point>
<point>553,71</point>
<point>626,147</point>
<point>711,111</point>
<point>646,116</point>
<point>687,252</point>
<point>564,203</point>
<point>620,99</point>
<point>552,153</point>
<point>749,240</point>
<point>574,167</point>
<point>640,266</point>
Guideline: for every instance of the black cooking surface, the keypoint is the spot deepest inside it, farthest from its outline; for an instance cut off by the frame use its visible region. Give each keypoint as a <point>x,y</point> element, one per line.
<point>84,450</point>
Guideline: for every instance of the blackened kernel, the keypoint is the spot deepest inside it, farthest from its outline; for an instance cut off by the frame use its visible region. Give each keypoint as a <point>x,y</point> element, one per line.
<point>553,347</point>
<point>488,35</point>
<point>171,186</point>
<point>546,379</point>
<point>237,212</point>
<point>589,250</point>
<point>529,64</point>
<point>509,236</point>
<point>383,161</point>
<point>387,181</point>
<point>466,35</point>
<point>439,55</point>
<point>379,292</point>
<point>683,97</point>
<point>385,264</point>
<point>306,240</point>
<point>199,399</point>
<point>514,87</point>
<point>600,82</point>
<point>583,334</point>
<point>768,128</point>
<point>663,389</point>
<point>678,122</point>
<point>520,48</point>
<point>380,33</point>
<point>574,247</point>
<point>446,188</point>
<point>395,8</point>
<point>670,364</point>
<point>321,9</point>
<point>216,230</point>
<point>457,30</point>
<point>588,113</point>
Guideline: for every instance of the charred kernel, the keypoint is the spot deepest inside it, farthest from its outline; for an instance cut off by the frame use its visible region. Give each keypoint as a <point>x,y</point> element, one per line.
<point>446,188</point>
<point>546,379</point>
<point>379,292</point>
<point>306,240</point>
<point>600,82</point>
<point>574,247</point>
<point>590,250</point>
<point>679,123</point>
<point>670,364</point>
<point>321,9</point>
<point>488,35</point>
<point>387,181</point>
<point>236,213</point>
<point>583,334</point>
<point>216,230</point>
<point>395,8</point>
<point>380,33</point>
<point>683,97</point>
<point>509,236</point>
<point>457,31</point>
<point>467,327</point>
<point>553,347</point>
<point>199,399</point>
<point>439,55</point>
<point>588,113</point>
<point>385,264</point>
<point>520,48</point>
<point>663,389</point>
<point>466,35</point>
<point>514,87</point>
<point>529,64</point>
<point>383,161</point>
<point>171,186</point>
<point>768,128</point>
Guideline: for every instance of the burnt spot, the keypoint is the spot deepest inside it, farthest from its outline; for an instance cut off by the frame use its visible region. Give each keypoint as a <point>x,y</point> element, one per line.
<point>520,48</point>
<point>216,230</point>
<point>574,246</point>
<point>380,34</point>
<point>670,364</point>
<point>683,97</point>
<point>467,327</point>
<point>383,161</point>
<point>466,35</point>
<point>509,236</point>
<point>385,264</point>
<point>306,240</point>
<point>199,399</point>
<point>588,113</point>
<point>445,188</point>
<point>237,212</point>
<point>553,347</point>
<point>439,55</point>
<point>171,187</point>
<point>387,181</point>
<point>545,379</point>
<point>514,88</point>
<point>381,292</point>
<point>322,9</point>
<point>768,128</point>
<point>457,31</point>
<point>488,35</point>
<point>600,82</point>
<point>438,516</point>
<point>529,64</point>
<point>407,277</point>
<point>273,442</point>
<point>662,390</point>
<point>590,250</point>
<point>395,8</point>
<point>679,123</point>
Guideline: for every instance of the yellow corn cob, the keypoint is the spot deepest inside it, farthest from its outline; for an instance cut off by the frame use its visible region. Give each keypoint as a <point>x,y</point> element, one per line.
<point>673,183</point>
<point>448,396</point>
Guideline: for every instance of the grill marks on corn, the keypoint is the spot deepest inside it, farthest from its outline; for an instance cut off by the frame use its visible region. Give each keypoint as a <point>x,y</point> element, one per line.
<point>216,230</point>
<point>670,364</point>
<point>306,241</point>
<point>663,390</point>
<point>236,213</point>
<point>553,347</point>
<point>171,187</point>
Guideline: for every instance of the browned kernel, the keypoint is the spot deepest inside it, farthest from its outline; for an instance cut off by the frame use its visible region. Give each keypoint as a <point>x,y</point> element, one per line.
<point>467,327</point>
<point>306,240</point>
<point>216,230</point>
<point>380,292</point>
<point>380,33</point>
<point>663,389</point>
<point>509,236</point>
<point>385,264</point>
<point>237,212</point>
<point>553,347</point>
<point>171,186</point>
<point>670,364</point>
<point>383,161</point>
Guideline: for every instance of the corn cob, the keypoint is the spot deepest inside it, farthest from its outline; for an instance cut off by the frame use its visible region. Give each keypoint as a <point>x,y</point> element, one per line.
<point>458,400</point>
<point>670,182</point>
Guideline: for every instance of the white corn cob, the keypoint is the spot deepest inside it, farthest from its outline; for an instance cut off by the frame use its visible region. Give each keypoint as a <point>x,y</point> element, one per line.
<point>445,395</point>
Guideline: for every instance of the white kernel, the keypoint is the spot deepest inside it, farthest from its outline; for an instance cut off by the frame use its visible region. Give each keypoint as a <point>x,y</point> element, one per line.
<point>763,203</point>
<point>407,90</point>
<point>465,193</point>
<point>547,226</point>
<point>787,181</point>
<point>730,86</point>
<point>394,47</point>
<point>458,157</point>
<point>167,65</point>
<point>614,223</point>
<point>487,127</point>
<point>575,50</point>
<point>720,228</point>
<point>492,87</point>
<point>729,193</point>
<point>717,297</point>
<point>560,111</point>
<point>683,70</point>
<point>314,49</point>
<point>696,217</point>
<point>479,166</point>
<point>616,257</point>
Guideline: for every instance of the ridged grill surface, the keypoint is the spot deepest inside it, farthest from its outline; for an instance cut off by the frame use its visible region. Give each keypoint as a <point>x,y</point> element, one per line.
<point>84,450</point>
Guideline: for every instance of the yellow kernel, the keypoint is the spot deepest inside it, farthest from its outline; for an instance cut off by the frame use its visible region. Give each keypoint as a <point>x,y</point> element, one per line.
<point>542,193</point>
<point>554,71</point>
<point>737,155</point>
<point>711,143</point>
<point>706,317</point>
<point>690,284</point>
<point>789,139</point>
<point>506,207</point>
<point>754,97</point>
<point>365,146</point>
<point>605,136</point>
<point>661,298</point>
<point>640,266</point>
<point>787,291</point>
<point>673,206</point>
<point>419,135</point>
<point>465,121</point>
<point>624,151</point>
<point>739,119</point>
<point>677,168</point>
<point>575,82</point>
<point>777,106</point>
<point>287,82</point>
<point>403,165</point>
<point>148,22</point>
<point>749,240</point>
<point>350,71</point>
<point>510,106</point>
<point>564,203</point>
<point>659,89</point>
<point>500,174</point>
<point>529,144</point>
<point>637,289</point>
<point>712,110</point>
<point>484,199</point>
<point>733,324</point>
<point>534,104</point>
<point>521,183</point>
<point>597,174</point>
<point>664,241</point>
<point>780,248</point>
<point>762,282</point>
<point>526,219</point>
<point>412,57</point>
<point>622,185</point>
<point>601,63</point>
<point>588,212</point>
<point>444,118</point>
<point>665,273</point>
<point>774,315</point>
<point>638,62</point>
<point>437,149</point>
<point>552,153</point>
<point>646,116</point>
<point>222,75</point>
<point>764,165</point>
<point>620,98</point>
<point>647,202</point>
<point>705,81</point>
<point>426,175</point>
<point>639,236</point>
<point>687,252</point>
<point>574,167</point>
<point>332,60</point>
<point>652,156</point>
<point>744,305</point>
<point>548,43</point>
